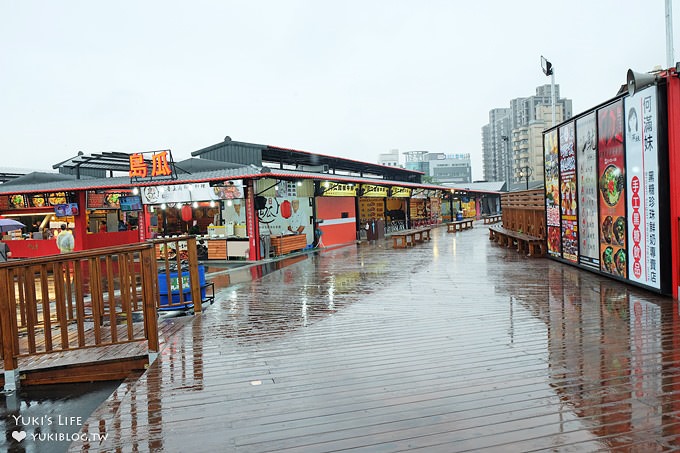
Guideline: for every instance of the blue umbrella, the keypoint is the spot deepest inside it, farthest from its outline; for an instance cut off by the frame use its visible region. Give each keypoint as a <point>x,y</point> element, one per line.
<point>10,225</point>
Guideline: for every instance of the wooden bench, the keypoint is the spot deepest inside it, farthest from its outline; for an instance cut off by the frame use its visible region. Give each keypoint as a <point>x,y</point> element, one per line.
<point>488,219</point>
<point>459,225</point>
<point>533,245</point>
<point>408,238</point>
<point>425,233</point>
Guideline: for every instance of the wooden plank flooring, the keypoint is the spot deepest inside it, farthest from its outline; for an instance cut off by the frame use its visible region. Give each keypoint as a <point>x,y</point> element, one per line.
<point>82,364</point>
<point>452,346</point>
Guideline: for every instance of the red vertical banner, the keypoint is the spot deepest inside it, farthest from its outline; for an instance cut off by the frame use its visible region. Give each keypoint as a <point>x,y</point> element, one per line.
<point>142,224</point>
<point>612,190</point>
<point>253,232</point>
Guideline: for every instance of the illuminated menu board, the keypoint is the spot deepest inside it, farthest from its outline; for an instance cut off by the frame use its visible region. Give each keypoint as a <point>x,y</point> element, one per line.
<point>586,177</point>
<point>642,173</point>
<point>568,194</point>
<point>552,192</point>
<point>612,190</point>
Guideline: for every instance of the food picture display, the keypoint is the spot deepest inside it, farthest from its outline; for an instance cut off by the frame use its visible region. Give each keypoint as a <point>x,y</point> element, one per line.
<point>611,185</point>
<point>371,208</point>
<point>37,201</point>
<point>112,200</point>
<point>552,193</point>
<point>612,191</point>
<point>17,201</point>
<point>56,198</point>
<point>614,205</point>
<point>568,194</point>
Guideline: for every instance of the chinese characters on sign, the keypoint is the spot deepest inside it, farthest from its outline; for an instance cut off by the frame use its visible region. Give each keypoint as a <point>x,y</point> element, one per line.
<point>643,168</point>
<point>161,165</point>
<point>568,194</point>
<point>586,156</point>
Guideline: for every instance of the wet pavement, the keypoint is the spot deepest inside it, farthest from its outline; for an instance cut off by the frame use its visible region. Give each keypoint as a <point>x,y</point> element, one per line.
<point>50,415</point>
<point>453,345</point>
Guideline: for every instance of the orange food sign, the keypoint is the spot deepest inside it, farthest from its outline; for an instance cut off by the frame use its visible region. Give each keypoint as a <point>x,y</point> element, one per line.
<point>161,165</point>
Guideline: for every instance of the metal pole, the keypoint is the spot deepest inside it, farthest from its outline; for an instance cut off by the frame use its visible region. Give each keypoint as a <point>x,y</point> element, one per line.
<point>552,93</point>
<point>670,57</point>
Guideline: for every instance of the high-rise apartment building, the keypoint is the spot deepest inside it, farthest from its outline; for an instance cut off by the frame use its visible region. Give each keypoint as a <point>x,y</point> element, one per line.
<point>512,143</point>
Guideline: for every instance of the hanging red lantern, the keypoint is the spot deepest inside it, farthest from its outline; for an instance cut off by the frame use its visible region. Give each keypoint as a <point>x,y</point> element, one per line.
<point>286,209</point>
<point>187,212</point>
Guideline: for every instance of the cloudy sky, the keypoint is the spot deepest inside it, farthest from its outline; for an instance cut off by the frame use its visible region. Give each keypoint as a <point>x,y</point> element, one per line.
<point>346,78</point>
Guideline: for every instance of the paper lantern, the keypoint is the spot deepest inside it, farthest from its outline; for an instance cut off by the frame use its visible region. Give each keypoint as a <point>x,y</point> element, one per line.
<point>187,212</point>
<point>286,209</point>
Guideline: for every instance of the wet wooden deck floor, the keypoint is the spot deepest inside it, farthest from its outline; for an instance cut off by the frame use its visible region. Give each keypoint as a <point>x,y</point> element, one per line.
<point>453,345</point>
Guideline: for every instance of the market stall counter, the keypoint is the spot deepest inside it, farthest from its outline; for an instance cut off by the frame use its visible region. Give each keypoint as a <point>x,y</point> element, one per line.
<point>227,248</point>
<point>32,248</point>
<point>288,243</point>
<point>227,242</point>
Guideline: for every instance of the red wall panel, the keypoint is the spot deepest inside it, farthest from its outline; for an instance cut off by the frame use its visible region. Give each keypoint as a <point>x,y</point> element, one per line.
<point>336,228</point>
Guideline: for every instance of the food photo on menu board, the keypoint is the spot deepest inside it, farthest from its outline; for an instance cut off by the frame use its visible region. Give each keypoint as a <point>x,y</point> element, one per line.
<point>611,188</point>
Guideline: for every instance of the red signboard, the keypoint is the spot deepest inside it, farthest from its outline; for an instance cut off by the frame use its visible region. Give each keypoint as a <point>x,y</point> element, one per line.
<point>612,190</point>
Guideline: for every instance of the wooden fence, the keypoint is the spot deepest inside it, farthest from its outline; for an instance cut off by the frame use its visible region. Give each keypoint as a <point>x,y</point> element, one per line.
<point>524,212</point>
<point>91,299</point>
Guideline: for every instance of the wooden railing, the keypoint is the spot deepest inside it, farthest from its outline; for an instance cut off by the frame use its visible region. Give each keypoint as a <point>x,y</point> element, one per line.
<point>78,300</point>
<point>524,212</point>
<point>176,253</point>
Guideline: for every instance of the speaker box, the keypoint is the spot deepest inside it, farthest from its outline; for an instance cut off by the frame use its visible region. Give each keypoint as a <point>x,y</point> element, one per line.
<point>260,203</point>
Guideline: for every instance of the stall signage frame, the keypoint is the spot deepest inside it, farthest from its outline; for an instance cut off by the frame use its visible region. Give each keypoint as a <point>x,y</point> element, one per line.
<point>185,193</point>
<point>370,190</point>
<point>341,190</point>
<point>151,166</point>
<point>401,192</point>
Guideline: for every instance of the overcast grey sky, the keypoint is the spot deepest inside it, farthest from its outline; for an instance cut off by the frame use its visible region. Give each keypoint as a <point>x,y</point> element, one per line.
<point>347,78</point>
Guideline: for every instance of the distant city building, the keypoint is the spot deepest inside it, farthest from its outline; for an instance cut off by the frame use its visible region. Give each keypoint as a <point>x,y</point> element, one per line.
<point>450,168</point>
<point>417,160</point>
<point>390,159</point>
<point>442,167</point>
<point>512,141</point>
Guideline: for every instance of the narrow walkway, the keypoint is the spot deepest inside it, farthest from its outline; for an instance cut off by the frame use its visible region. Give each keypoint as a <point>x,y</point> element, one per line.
<point>453,345</point>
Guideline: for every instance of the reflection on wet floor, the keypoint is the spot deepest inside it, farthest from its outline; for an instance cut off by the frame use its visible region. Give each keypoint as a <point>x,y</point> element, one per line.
<point>453,345</point>
<point>50,416</point>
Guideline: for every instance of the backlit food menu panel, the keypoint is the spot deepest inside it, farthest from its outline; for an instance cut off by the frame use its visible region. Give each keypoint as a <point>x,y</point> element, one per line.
<point>612,191</point>
<point>586,175</point>
<point>552,192</point>
<point>642,175</point>
<point>20,201</point>
<point>568,194</point>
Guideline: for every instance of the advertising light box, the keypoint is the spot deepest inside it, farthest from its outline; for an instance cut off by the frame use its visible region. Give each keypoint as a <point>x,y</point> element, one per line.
<point>586,177</point>
<point>552,193</point>
<point>568,194</point>
<point>605,181</point>
<point>642,173</point>
<point>612,190</point>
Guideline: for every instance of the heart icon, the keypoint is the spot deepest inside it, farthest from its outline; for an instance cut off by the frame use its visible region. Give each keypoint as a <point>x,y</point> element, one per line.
<point>19,435</point>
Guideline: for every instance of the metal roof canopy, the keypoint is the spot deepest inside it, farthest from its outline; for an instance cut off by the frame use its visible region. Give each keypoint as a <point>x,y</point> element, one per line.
<point>108,160</point>
<point>285,156</point>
